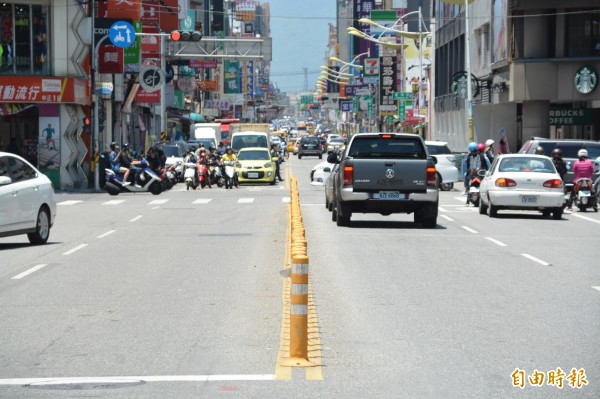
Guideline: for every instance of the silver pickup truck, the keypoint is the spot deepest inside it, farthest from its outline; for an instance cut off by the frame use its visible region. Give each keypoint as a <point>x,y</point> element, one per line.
<point>384,173</point>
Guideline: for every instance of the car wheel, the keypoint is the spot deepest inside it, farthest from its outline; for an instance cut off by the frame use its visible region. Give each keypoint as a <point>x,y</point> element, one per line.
<point>333,213</point>
<point>343,214</point>
<point>482,207</point>
<point>430,213</point>
<point>321,156</point>
<point>546,213</point>
<point>326,202</point>
<point>557,213</point>
<point>330,207</point>
<point>492,209</point>
<point>42,228</point>
<point>299,156</point>
<point>274,181</point>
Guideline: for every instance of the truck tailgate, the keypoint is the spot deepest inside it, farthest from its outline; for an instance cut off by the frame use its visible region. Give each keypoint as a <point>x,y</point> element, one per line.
<point>408,175</point>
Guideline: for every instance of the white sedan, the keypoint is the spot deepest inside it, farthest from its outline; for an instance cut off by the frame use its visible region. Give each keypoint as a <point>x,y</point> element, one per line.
<point>320,173</point>
<point>27,204</point>
<point>522,182</point>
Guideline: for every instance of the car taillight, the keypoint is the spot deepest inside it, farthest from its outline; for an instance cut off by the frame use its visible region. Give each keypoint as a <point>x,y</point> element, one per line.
<point>348,172</point>
<point>431,176</point>
<point>385,136</point>
<point>554,183</point>
<point>503,182</point>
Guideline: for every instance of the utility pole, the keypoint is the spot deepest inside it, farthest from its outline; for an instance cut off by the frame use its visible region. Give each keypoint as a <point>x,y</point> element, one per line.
<point>305,69</point>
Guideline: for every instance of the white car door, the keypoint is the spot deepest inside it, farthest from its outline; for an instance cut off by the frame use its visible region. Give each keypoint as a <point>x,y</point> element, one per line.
<point>7,204</point>
<point>25,192</point>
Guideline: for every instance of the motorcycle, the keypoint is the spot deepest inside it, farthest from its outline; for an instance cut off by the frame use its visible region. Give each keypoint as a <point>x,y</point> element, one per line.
<point>151,182</point>
<point>584,196</point>
<point>202,174</point>
<point>215,174</point>
<point>230,174</point>
<point>190,176</point>
<point>474,183</point>
<point>167,177</point>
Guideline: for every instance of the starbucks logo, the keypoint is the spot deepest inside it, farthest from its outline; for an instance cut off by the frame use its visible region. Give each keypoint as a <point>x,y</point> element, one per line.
<point>460,85</point>
<point>586,79</point>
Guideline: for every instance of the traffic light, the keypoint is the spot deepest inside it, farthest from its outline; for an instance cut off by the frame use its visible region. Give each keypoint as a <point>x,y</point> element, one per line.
<point>186,36</point>
<point>87,121</point>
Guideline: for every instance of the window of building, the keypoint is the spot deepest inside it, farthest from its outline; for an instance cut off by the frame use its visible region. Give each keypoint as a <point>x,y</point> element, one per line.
<point>583,35</point>
<point>24,39</point>
<point>483,45</point>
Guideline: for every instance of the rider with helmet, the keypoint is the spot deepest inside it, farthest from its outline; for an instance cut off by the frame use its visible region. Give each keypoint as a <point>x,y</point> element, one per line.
<point>539,150</point>
<point>583,168</point>
<point>475,161</point>
<point>559,163</point>
<point>229,156</point>
<point>490,153</point>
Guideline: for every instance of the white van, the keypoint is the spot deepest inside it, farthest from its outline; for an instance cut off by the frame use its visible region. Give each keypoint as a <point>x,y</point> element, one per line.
<point>208,133</point>
<point>249,139</point>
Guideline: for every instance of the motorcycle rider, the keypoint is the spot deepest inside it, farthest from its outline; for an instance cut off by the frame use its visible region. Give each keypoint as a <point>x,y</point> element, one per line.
<point>115,165</point>
<point>539,150</point>
<point>132,165</point>
<point>222,149</point>
<point>559,162</point>
<point>490,153</point>
<point>227,157</point>
<point>203,160</point>
<point>153,161</point>
<point>583,168</point>
<point>276,154</point>
<point>475,161</point>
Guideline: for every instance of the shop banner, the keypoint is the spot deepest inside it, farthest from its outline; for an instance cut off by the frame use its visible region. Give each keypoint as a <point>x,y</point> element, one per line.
<point>169,15</point>
<point>110,59</point>
<point>131,54</point>
<point>124,9</point>
<point>206,64</point>
<point>248,75</point>
<point>387,82</point>
<point>362,9</point>
<point>150,44</point>
<point>232,77</point>
<point>208,85</point>
<point>151,12</point>
<point>147,97</point>
<point>37,89</point>
<point>217,104</point>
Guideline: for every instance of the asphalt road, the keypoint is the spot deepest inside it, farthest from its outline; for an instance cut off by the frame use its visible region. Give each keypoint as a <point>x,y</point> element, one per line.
<point>179,296</point>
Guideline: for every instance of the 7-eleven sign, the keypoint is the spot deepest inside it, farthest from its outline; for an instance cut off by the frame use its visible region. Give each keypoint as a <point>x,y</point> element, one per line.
<point>371,67</point>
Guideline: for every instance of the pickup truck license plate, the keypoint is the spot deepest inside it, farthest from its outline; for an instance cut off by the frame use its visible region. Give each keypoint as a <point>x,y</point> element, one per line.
<point>529,199</point>
<point>389,195</point>
<point>252,175</point>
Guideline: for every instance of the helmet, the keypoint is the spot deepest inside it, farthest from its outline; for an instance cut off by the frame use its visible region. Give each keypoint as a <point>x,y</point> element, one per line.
<point>489,142</point>
<point>125,146</point>
<point>557,152</point>
<point>539,150</point>
<point>113,145</point>
<point>472,146</point>
<point>212,147</point>
<point>228,148</point>
<point>582,153</point>
<point>481,147</point>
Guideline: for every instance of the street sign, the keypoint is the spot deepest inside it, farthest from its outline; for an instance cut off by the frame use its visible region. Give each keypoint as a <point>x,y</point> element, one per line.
<point>368,98</point>
<point>121,34</point>
<point>370,108</point>
<point>371,67</point>
<point>346,106</point>
<point>152,78</point>
<point>402,111</point>
<point>402,95</point>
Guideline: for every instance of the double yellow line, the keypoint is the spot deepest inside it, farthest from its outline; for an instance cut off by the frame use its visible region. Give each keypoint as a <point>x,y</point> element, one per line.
<point>300,344</point>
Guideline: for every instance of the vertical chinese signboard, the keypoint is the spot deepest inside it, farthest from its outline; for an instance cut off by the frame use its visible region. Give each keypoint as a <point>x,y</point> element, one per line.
<point>362,9</point>
<point>232,77</point>
<point>387,84</point>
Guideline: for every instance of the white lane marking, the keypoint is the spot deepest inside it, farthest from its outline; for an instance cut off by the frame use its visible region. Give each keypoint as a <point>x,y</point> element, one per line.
<point>109,232</point>
<point>77,248</point>
<point>245,200</point>
<point>282,187</point>
<point>158,202</point>
<point>156,207</point>
<point>255,189</point>
<point>28,272</point>
<point>585,218</point>
<point>533,258</point>
<point>442,209</point>
<point>596,287</point>
<point>135,379</point>
<point>285,200</point>
<point>70,202</point>
<point>447,218</point>
<point>461,199</point>
<point>138,217</point>
<point>496,241</point>
<point>202,201</point>
<point>113,202</point>
<point>470,230</point>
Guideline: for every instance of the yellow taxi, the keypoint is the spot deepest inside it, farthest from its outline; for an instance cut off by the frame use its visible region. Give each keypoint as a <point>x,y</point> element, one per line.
<point>254,165</point>
<point>290,144</point>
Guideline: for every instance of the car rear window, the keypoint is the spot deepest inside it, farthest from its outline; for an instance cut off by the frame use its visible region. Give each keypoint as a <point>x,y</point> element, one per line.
<point>438,149</point>
<point>310,140</point>
<point>526,164</point>
<point>569,149</point>
<point>172,151</point>
<point>393,147</point>
<point>254,155</point>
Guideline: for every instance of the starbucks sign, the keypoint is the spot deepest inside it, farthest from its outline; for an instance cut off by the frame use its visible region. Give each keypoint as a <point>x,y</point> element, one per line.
<point>586,79</point>
<point>460,85</point>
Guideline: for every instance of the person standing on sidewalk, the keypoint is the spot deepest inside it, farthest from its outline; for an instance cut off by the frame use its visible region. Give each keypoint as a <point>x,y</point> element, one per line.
<point>276,154</point>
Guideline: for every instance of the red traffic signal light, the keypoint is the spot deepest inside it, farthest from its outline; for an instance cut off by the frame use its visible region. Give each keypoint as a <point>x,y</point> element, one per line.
<point>186,36</point>
<point>87,121</point>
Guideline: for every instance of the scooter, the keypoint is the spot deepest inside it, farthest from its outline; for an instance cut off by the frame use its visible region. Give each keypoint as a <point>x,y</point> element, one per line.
<point>202,174</point>
<point>474,183</point>
<point>230,174</point>
<point>584,196</point>
<point>115,184</point>
<point>190,176</point>
<point>215,174</point>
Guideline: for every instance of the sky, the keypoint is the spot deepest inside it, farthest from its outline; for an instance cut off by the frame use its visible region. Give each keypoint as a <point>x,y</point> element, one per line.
<point>300,31</point>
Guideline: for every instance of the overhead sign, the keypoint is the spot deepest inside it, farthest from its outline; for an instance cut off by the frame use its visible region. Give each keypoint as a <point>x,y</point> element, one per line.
<point>402,95</point>
<point>152,78</point>
<point>384,18</point>
<point>346,106</point>
<point>37,89</point>
<point>211,64</point>
<point>121,34</point>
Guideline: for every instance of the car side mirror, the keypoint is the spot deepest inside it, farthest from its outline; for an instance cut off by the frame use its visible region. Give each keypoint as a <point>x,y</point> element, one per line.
<point>435,160</point>
<point>332,158</point>
<point>4,180</point>
<point>327,169</point>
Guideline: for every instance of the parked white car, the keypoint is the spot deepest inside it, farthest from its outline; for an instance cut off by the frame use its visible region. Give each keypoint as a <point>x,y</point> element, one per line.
<point>446,164</point>
<point>27,204</point>
<point>522,182</point>
<point>320,173</point>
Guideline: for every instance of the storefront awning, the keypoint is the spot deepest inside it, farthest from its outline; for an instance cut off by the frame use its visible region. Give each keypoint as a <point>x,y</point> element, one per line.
<point>46,90</point>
